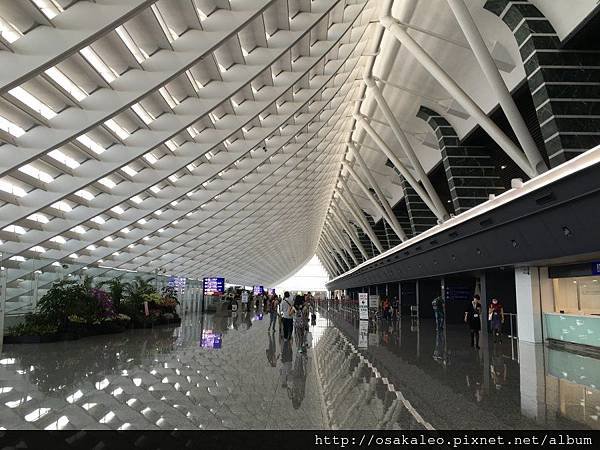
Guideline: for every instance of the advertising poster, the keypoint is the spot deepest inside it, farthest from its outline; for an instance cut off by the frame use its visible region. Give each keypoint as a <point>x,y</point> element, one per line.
<point>363,306</point>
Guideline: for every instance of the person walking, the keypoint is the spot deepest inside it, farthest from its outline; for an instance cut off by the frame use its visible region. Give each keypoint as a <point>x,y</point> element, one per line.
<point>272,307</point>
<point>386,309</point>
<point>496,318</point>
<point>438,310</point>
<point>287,316</point>
<point>299,315</point>
<point>473,319</point>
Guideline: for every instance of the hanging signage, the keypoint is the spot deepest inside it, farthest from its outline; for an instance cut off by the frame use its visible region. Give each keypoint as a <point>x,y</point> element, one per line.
<point>596,268</point>
<point>373,301</point>
<point>363,306</point>
<point>259,290</point>
<point>244,297</point>
<point>177,282</point>
<point>214,286</point>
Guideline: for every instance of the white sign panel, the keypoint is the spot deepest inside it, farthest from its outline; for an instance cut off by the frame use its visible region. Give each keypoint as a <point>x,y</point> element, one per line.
<point>244,297</point>
<point>373,301</point>
<point>363,306</point>
<point>373,339</point>
<point>363,334</point>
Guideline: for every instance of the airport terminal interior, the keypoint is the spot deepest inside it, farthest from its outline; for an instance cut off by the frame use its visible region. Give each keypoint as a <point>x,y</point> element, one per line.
<point>299,214</point>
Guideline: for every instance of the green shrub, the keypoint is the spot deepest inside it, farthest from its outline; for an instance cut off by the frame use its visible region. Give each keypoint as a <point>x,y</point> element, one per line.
<point>68,298</point>
<point>33,326</point>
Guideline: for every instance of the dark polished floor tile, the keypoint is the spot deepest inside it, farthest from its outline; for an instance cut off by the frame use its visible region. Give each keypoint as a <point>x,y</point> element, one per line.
<point>407,377</point>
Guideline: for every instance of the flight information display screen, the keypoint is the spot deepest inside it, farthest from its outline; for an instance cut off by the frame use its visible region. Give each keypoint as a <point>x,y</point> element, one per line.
<point>259,290</point>
<point>214,286</point>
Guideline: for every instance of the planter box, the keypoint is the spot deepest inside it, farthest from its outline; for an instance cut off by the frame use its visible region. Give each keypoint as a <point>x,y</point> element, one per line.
<point>73,333</point>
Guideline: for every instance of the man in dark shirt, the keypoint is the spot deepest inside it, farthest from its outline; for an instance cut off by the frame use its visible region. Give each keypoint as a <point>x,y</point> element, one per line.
<point>473,319</point>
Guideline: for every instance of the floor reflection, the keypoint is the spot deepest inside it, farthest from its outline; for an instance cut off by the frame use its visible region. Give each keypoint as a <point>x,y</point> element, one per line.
<point>454,386</point>
<point>228,372</point>
<point>162,378</point>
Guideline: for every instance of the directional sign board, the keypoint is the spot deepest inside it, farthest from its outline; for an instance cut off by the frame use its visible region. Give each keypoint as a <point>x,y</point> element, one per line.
<point>363,306</point>
<point>373,301</point>
<point>214,286</point>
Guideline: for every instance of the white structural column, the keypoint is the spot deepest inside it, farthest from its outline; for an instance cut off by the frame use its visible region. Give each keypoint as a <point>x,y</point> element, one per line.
<point>342,236</point>
<point>321,255</point>
<point>331,261</point>
<point>459,95</point>
<point>338,244</point>
<point>329,245</point>
<point>332,267</point>
<point>339,215</point>
<point>407,147</point>
<point>334,231</point>
<point>492,73</point>
<point>385,214</point>
<point>326,262</point>
<point>336,251</point>
<point>534,294</point>
<point>354,208</point>
<point>396,162</point>
<point>389,213</point>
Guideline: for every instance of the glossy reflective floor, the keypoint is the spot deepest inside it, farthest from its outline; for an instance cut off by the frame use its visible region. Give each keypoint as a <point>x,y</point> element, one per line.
<point>228,372</point>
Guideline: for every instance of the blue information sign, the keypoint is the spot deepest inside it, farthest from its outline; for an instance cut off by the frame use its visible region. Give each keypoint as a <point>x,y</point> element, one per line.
<point>214,286</point>
<point>596,268</point>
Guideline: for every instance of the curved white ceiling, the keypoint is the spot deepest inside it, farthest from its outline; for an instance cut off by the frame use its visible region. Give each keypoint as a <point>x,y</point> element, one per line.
<point>202,137</point>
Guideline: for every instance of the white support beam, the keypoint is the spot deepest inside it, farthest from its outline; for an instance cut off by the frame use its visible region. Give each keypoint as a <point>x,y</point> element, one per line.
<point>356,211</point>
<point>339,215</point>
<point>437,72</point>
<point>408,149</point>
<point>340,235</point>
<point>492,73</point>
<point>339,247</point>
<point>332,264</point>
<point>334,252</point>
<point>383,205</point>
<point>398,164</point>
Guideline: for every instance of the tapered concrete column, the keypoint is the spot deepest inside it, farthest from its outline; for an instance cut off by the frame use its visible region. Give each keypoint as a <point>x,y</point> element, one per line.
<point>535,294</point>
<point>459,95</point>
<point>351,232</point>
<point>398,164</point>
<point>406,146</point>
<point>353,206</point>
<point>391,217</point>
<point>484,57</point>
<point>344,245</point>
